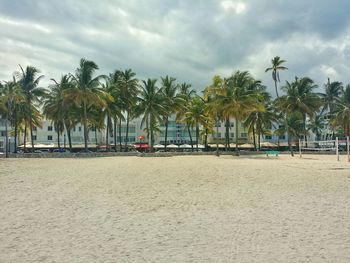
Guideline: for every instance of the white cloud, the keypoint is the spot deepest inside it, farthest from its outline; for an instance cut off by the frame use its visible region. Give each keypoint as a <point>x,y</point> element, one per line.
<point>231,5</point>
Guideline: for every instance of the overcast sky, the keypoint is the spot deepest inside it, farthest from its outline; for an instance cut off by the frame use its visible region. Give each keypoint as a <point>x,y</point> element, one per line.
<point>190,40</point>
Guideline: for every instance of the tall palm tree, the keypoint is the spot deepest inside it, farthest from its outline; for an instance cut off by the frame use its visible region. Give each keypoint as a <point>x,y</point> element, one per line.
<point>300,96</point>
<point>172,101</point>
<point>197,115</point>
<point>29,81</point>
<point>186,94</point>
<point>333,91</point>
<point>341,111</point>
<point>128,86</point>
<point>11,97</point>
<point>86,92</point>
<point>150,104</point>
<point>260,120</point>
<point>56,106</point>
<point>277,65</point>
<point>117,106</point>
<point>316,125</point>
<point>236,100</point>
<point>216,88</point>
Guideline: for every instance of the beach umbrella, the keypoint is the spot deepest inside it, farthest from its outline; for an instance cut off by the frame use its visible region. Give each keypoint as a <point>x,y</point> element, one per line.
<point>158,146</point>
<point>185,146</point>
<point>268,144</point>
<point>172,146</point>
<point>246,146</point>
<point>200,146</point>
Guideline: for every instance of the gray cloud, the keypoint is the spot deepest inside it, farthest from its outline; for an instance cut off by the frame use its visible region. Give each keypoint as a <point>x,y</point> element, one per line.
<point>191,40</point>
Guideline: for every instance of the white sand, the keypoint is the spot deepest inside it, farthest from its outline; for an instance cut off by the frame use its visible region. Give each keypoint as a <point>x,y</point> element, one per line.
<point>177,209</point>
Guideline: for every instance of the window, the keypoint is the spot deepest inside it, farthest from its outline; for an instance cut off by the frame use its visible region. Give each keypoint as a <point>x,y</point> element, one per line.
<point>218,124</point>
<point>1,144</point>
<point>34,137</point>
<point>34,128</point>
<point>282,137</point>
<point>217,135</point>
<point>93,129</point>
<point>49,137</point>
<point>242,125</point>
<point>232,135</point>
<point>79,128</point>
<point>243,135</point>
<point>2,133</point>
<point>49,128</point>
<point>74,129</point>
<point>232,124</point>
<point>268,137</point>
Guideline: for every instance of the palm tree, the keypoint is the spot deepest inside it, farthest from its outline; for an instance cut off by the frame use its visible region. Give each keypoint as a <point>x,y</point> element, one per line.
<point>186,94</point>
<point>172,102</point>
<point>277,63</point>
<point>117,105</point>
<point>316,125</point>
<point>294,127</point>
<point>196,115</point>
<point>29,81</point>
<point>235,100</point>
<point>57,106</point>
<point>260,120</point>
<point>216,88</point>
<point>341,111</point>
<point>150,103</point>
<point>86,92</point>
<point>128,86</point>
<point>333,91</point>
<point>300,96</point>
<point>11,96</point>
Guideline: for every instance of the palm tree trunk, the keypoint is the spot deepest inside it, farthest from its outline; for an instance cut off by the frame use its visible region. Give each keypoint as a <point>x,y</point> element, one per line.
<point>304,127</point>
<point>276,89</point>
<point>107,130</point>
<point>151,125</point>
<point>206,140</point>
<point>166,133</point>
<point>85,126</point>
<point>16,131</point>
<point>259,142</point>
<point>25,138</point>
<point>31,125</point>
<point>127,131</point>
<point>120,134</point>
<point>288,135</point>
<point>254,139</point>
<point>6,137</point>
<point>237,137</point>
<point>96,142</point>
<point>197,134</point>
<point>69,140</point>
<point>58,136</point>
<point>115,133</point>
<point>190,135</point>
<point>228,133</point>
<point>217,132</point>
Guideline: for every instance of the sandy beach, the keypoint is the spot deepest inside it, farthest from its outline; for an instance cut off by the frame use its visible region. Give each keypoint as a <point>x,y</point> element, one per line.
<point>175,209</point>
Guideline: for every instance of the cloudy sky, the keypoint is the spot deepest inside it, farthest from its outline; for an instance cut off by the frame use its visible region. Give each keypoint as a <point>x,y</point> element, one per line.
<point>190,40</point>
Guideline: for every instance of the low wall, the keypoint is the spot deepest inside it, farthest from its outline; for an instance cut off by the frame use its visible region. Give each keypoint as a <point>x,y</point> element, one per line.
<point>159,154</point>
<point>112,154</point>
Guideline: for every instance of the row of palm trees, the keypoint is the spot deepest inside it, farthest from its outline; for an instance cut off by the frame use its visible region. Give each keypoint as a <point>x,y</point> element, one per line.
<point>103,102</point>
